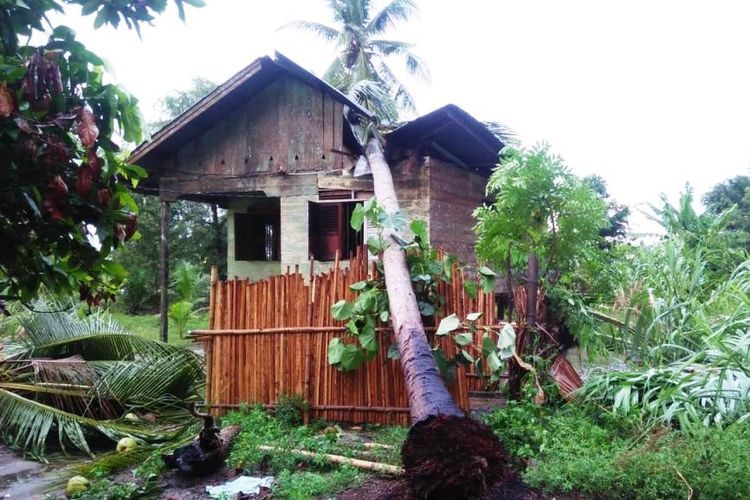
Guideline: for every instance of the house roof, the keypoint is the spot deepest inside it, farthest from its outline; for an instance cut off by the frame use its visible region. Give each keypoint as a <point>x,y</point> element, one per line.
<point>452,134</point>
<point>239,88</point>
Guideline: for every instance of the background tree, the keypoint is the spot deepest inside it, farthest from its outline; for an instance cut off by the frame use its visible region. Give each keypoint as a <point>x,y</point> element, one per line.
<point>733,192</point>
<point>197,231</point>
<point>62,178</point>
<point>361,68</point>
<point>616,230</point>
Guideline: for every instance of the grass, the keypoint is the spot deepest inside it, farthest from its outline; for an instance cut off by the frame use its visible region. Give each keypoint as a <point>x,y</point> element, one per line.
<point>586,451</point>
<point>298,477</point>
<point>147,326</point>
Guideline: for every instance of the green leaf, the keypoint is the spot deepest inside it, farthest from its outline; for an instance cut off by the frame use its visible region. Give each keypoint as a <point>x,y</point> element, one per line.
<point>342,310</point>
<point>358,218</point>
<point>368,340</point>
<point>448,324</point>
<point>471,289</point>
<point>486,271</point>
<point>506,342</point>
<point>335,351</point>
<point>351,357</point>
<point>494,363</point>
<point>463,339</point>
<point>419,228</point>
<point>385,316</point>
<point>375,245</point>
<point>360,285</point>
<point>466,356</point>
<point>473,316</point>
<point>488,345</point>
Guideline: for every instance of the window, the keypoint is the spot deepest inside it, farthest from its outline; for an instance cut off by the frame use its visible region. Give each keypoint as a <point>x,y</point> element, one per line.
<point>330,231</point>
<point>256,232</point>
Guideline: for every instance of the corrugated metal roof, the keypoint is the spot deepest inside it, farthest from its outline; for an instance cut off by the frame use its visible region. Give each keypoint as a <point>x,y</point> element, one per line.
<point>452,134</point>
<point>247,82</point>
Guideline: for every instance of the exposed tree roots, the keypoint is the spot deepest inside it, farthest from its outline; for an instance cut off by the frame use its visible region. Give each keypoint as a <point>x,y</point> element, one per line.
<point>449,457</point>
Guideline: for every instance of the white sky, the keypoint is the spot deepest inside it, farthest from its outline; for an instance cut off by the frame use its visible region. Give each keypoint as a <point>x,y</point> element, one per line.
<point>649,95</point>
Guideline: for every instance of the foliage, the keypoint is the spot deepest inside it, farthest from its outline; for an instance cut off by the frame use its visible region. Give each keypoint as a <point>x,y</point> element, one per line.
<point>520,425</point>
<point>197,235</point>
<point>681,321</point>
<point>180,101</point>
<point>77,376</point>
<point>104,489</point>
<point>732,193</point>
<point>289,409</point>
<point>180,313</point>
<point>62,177</point>
<point>361,67</point>
<point>616,229</point>
<point>706,233</point>
<point>541,208</point>
<point>370,308</point>
<point>307,484</point>
<point>191,287</point>
<point>147,325</point>
<point>197,231</point>
<point>261,428</point>
<point>584,455</point>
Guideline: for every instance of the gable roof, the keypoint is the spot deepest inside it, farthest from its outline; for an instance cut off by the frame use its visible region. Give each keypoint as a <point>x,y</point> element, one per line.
<point>239,88</point>
<point>451,134</point>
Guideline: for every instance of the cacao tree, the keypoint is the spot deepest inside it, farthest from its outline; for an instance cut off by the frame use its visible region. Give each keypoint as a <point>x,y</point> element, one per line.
<point>65,199</point>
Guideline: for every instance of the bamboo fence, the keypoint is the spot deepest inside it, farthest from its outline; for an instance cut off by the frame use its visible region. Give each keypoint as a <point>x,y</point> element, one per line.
<point>270,338</point>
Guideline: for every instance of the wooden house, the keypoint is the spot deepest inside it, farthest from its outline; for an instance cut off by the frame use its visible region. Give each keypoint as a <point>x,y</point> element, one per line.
<point>276,147</point>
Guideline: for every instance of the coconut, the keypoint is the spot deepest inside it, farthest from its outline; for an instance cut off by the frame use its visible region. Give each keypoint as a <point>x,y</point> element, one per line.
<point>126,444</point>
<point>132,417</point>
<point>76,484</point>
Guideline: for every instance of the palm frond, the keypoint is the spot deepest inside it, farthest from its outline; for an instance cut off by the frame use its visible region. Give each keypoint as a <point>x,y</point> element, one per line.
<point>27,423</point>
<point>506,135</point>
<point>399,93</point>
<point>326,32</point>
<point>373,96</point>
<point>144,381</point>
<point>190,283</point>
<point>396,10</point>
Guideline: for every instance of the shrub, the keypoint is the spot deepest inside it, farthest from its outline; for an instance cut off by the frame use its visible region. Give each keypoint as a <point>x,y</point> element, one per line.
<point>590,457</point>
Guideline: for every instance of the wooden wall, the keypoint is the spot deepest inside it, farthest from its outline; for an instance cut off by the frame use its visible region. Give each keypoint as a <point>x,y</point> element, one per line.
<point>288,125</point>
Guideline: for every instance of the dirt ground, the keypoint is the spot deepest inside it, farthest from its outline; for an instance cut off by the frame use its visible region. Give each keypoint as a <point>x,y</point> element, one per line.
<point>395,489</point>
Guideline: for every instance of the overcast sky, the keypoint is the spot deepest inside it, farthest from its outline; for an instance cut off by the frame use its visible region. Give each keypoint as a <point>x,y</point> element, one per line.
<point>649,95</point>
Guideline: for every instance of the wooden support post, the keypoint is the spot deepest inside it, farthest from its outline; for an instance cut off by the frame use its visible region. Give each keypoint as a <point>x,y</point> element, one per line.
<point>164,305</point>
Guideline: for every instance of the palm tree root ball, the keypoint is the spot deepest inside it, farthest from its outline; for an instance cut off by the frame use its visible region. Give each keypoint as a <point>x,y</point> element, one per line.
<point>447,457</point>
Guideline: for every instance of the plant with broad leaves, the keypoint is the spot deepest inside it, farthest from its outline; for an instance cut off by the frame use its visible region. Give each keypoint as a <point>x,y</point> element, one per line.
<point>371,307</point>
<point>64,197</point>
<point>495,349</point>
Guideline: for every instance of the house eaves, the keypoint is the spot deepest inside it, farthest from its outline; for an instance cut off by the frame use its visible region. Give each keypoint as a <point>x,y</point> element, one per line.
<point>449,133</point>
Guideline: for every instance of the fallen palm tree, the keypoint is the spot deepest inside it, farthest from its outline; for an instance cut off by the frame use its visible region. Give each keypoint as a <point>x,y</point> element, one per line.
<point>446,454</point>
<point>71,381</point>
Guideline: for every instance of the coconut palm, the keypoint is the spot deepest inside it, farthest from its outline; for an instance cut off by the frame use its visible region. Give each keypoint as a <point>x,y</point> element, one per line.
<point>77,378</point>
<point>361,67</point>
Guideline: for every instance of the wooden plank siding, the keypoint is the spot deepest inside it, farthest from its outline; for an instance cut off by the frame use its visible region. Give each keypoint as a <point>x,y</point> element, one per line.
<point>270,338</point>
<point>287,127</point>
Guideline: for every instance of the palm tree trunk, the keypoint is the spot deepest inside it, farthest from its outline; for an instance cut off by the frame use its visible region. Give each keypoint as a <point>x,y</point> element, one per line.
<point>427,393</point>
<point>446,454</point>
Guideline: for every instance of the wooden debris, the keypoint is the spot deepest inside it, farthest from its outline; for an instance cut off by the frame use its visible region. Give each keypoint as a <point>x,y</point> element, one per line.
<point>339,459</point>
